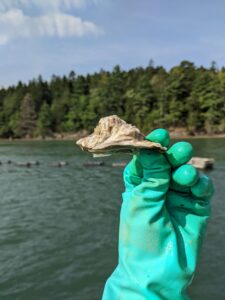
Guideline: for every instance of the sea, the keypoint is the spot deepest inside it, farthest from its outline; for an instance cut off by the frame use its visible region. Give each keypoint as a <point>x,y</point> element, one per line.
<point>59,222</point>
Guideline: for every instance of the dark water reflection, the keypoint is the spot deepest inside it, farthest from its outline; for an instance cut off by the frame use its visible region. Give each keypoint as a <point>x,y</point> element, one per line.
<point>59,226</point>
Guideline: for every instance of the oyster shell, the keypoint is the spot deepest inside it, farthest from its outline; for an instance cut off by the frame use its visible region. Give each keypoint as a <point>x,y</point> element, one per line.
<point>114,135</point>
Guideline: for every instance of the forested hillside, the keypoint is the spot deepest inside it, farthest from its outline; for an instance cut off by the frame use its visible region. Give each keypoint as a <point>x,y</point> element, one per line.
<point>185,96</point>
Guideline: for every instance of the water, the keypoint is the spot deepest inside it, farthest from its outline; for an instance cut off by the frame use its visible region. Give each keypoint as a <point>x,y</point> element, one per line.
<point>59,226</point>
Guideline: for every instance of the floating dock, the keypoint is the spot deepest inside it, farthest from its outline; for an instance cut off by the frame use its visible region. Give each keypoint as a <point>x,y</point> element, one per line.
<point>202,163</point>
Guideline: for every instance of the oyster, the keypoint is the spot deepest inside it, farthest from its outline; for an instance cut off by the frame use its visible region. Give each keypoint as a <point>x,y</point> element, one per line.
<point>114,135</point>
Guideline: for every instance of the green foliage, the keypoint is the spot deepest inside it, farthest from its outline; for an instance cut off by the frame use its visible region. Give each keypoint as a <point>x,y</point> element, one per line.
<point>151,97</point>
<point>27,121</point>
<point>44,121</point>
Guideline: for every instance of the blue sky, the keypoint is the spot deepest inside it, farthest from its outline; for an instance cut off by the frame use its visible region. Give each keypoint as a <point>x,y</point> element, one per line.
<point>55,36</point>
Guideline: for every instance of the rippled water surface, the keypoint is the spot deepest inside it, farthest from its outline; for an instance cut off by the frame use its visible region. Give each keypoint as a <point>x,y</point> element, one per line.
<point>59,226</point>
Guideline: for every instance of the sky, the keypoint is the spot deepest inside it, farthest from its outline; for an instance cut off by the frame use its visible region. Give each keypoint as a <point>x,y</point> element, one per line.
<point>46,37</point>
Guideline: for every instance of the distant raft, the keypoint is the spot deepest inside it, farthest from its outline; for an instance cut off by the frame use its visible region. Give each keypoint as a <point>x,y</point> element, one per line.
<point>60,164</point>
<point>26,164</point>
<point>34,163</point>
<point>119,164</point>
<point>23,164</point>
<point>94,164</point>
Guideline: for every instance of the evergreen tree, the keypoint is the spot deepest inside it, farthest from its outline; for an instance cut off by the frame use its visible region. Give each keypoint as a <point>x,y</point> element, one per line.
<point>143,103</point>
<point>27,122</point>
<point>179,86</point>
<point>149,97</point>
<point>158,82</point>
<point>44,121</point>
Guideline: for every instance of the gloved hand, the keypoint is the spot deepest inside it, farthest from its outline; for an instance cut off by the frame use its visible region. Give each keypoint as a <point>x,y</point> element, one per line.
<point>163,218</point>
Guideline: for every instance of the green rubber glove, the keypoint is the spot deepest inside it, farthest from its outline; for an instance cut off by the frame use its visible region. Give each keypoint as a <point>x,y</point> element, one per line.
<point>163,218</point>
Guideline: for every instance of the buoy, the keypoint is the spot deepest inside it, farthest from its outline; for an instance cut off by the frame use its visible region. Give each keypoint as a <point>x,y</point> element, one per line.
<point>94,164</point>
<point>63,163</point>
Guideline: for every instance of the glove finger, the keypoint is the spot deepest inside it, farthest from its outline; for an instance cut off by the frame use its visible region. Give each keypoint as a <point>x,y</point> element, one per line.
<point>182,178</point>
<point>185,176</point>
<point>178,188</point>
<point>160,136</point>
<point>203,187</point>
<point>133,174</point>
<point>179,154</point>
<point>156,175</point>
<point>148,166</point>
<point>190,192</point>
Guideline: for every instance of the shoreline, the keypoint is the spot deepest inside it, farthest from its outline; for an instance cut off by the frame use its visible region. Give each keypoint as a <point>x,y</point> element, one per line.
<point>76,136</point>
<point>205,136</point>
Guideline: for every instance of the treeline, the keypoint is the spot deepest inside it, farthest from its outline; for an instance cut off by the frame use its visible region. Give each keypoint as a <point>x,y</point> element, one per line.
<point>185,96</point>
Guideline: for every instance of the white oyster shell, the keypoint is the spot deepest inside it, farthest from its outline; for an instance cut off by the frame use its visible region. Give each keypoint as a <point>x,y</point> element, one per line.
<point>113,135</point>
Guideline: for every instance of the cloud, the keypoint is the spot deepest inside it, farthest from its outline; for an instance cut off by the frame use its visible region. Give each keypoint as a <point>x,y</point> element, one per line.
<point>15,24</point>
<point>43,18</point>
<point>44,5</point>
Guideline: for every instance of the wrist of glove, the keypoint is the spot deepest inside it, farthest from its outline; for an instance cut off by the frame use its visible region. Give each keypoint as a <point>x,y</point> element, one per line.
<point>165,208</point>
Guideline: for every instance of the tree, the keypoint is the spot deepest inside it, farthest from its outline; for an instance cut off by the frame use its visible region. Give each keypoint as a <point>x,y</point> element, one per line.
<point>158,83</point>
<point>111,94</point>
<point>27,122</point>
<point>44,121</point>
<point>179,86</point>
<point>142,104</point>
<point>148,97</point>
